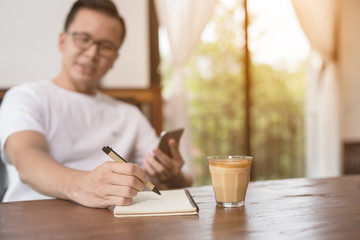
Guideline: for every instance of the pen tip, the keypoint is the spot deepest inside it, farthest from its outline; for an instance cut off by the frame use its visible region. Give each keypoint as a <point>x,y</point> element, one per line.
<point>156,191</point>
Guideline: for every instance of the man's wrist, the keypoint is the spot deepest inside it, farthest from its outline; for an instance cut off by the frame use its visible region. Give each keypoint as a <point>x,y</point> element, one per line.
<point>72,188</point>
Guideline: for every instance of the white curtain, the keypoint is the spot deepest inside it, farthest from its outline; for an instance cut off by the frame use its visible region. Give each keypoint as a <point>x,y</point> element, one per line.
<point>322,111</point>
<point>184,21</point>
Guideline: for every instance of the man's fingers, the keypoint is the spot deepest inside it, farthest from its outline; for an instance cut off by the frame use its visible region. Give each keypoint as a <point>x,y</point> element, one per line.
<point>118,201</point>
<point>174,148</point>
<point>120,191</point>
<point>156,169</point>
<point>129,169</point>
<point>127,181</point>
<point>149,167</point>
<point>161,156</point>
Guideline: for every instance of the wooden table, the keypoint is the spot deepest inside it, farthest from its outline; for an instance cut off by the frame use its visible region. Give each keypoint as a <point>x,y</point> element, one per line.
<point>282,209</point>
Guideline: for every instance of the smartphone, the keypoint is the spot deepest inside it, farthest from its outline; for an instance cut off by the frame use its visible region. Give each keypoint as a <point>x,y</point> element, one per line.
<point>166,136</point>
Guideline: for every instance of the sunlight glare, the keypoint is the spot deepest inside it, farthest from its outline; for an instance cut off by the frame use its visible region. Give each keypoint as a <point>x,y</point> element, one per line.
<point>275,36</point>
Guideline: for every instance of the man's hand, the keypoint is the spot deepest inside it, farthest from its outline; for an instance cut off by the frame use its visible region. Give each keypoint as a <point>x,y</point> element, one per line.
<point>109,184</point>
<point>165,172</point>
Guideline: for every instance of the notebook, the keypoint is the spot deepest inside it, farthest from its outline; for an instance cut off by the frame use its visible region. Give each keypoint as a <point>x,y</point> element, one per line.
<point>171,202</point>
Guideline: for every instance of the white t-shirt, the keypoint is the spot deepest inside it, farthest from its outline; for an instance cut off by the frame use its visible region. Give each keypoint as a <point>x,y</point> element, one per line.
<point>76,127</point>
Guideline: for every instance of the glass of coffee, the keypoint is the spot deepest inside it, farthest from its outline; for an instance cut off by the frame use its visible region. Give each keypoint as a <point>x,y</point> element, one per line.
<point>230,176</point>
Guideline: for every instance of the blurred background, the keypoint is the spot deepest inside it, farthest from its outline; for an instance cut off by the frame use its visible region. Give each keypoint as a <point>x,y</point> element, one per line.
<point>277,80</point>
<point>215,82</point>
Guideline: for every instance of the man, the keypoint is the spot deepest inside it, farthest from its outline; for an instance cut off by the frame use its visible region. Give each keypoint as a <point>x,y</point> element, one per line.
<point>52,132</point>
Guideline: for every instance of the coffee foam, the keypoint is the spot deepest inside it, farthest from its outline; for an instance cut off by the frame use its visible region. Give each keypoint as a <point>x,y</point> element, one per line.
<point>230,163</point>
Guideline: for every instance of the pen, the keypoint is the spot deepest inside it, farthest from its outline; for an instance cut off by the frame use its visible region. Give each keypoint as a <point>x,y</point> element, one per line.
<point>117,158</point>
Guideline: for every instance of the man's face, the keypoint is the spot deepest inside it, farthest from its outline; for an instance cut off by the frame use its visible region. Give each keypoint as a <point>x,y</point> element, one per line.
<point>84,68</point>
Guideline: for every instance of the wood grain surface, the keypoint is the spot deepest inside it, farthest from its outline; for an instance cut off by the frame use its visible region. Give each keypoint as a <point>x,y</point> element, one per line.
<point>281,209</point>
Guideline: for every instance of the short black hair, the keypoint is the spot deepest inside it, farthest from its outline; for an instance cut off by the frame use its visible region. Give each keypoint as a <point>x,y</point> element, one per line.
<point>104,6</point>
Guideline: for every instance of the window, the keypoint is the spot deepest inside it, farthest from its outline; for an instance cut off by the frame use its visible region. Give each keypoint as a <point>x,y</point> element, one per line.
<point>215,81</point>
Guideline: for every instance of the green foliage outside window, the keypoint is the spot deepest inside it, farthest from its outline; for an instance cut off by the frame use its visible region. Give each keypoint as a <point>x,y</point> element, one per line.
<point>215,86</point>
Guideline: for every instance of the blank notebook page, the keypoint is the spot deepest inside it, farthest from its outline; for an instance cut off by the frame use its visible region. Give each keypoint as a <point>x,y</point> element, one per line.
<point>147,203</point>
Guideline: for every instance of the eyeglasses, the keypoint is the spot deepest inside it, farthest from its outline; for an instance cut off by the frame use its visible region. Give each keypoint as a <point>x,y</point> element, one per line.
<point>83,41</point>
